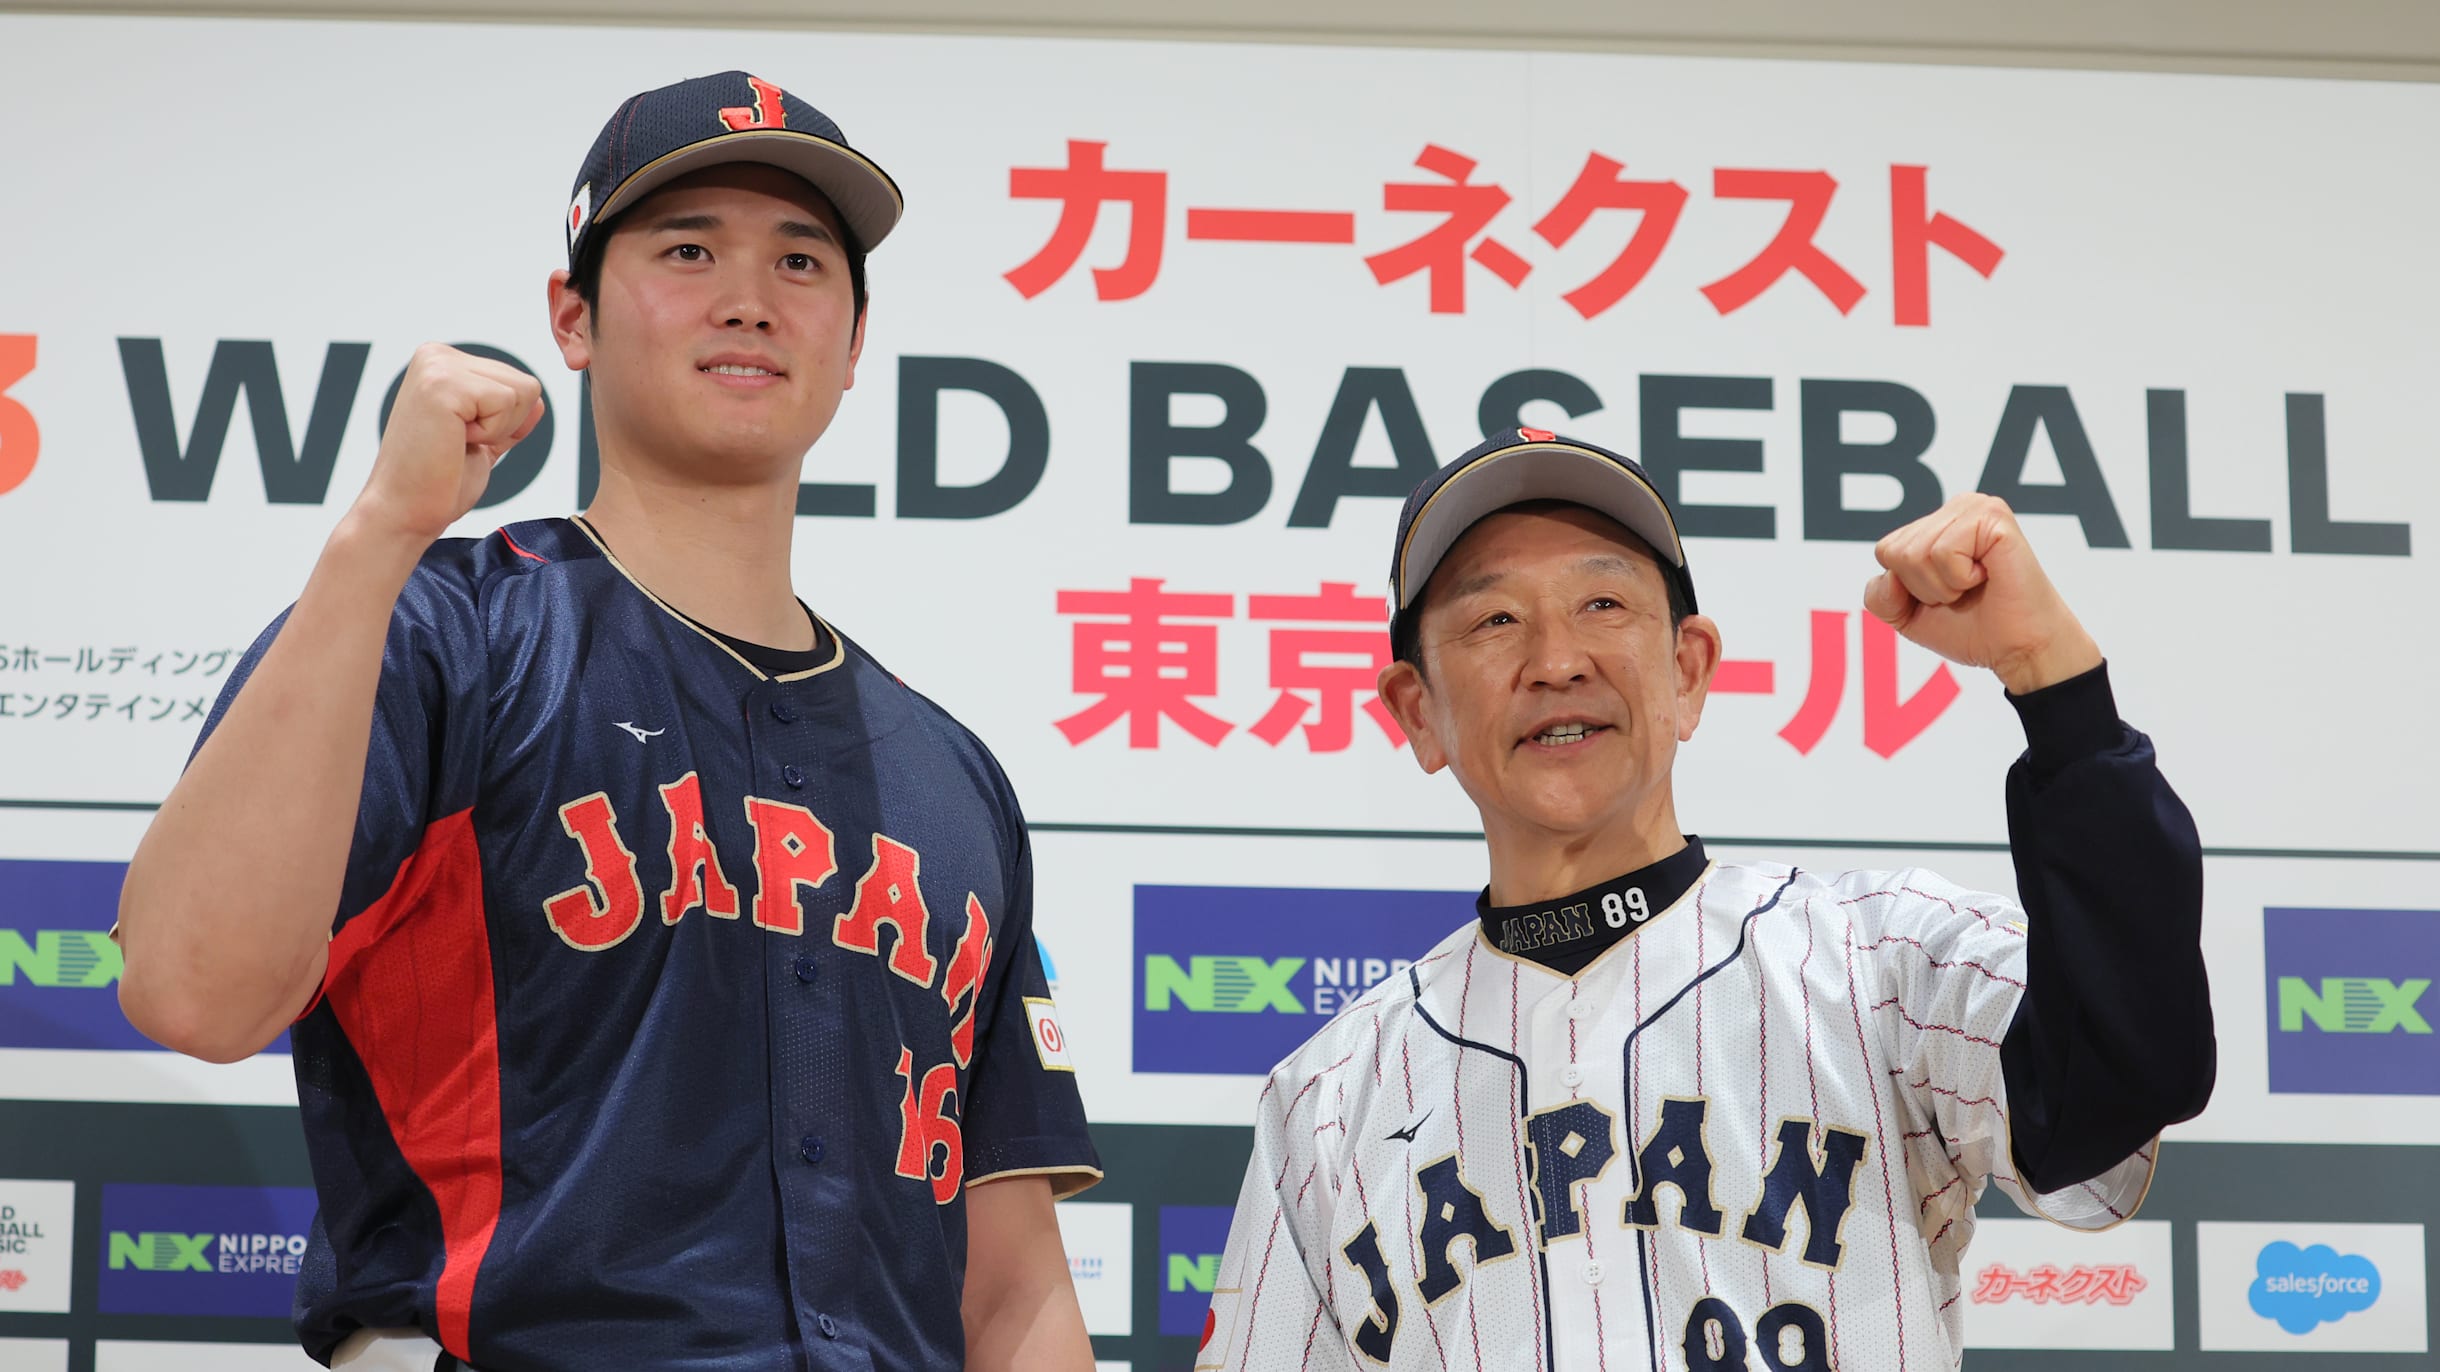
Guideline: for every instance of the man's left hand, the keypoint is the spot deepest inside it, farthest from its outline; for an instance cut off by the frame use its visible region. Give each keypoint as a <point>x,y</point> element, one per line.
<point>1963,582</point>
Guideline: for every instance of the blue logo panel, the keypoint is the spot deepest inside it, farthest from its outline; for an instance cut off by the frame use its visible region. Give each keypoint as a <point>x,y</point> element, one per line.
<point>2351,1005</point>
<point>203,1250</point>
<point>1230,979</point>
<point>1192,1239</point>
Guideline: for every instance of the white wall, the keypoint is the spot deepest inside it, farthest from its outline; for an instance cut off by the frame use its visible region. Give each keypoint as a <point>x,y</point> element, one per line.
<point>2373,39</point>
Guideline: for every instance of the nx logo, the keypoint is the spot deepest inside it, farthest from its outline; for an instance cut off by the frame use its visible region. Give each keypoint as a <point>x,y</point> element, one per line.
<point>1229,985</point>
<point>157,1252</point>
<point>1194,1272</point>
<point>2353,1005</point>
<point>1276,960</point>
<point>78,958</point>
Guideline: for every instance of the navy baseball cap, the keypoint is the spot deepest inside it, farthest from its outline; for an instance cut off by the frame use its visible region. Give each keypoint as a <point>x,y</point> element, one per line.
<point>1518,465</point>
<point>661,135</point>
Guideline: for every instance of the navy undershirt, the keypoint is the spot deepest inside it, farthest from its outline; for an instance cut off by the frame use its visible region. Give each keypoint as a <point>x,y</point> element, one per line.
<point>1567,932</point>
<point>2112,1041</point>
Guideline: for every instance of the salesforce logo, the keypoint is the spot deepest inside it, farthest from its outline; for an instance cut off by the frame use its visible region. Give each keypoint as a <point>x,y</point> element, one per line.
<point>2301,1289</point>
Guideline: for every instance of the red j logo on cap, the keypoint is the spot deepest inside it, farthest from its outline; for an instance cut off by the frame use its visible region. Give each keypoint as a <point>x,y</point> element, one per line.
<point>765,113</point>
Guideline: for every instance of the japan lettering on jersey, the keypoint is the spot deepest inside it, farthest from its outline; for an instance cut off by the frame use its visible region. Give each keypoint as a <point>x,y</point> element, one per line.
<point>658,984</point>
<point>1748,1136</point>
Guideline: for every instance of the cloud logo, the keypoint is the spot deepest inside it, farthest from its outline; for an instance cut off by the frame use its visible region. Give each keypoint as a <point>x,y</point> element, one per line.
<point>2302,1288</point>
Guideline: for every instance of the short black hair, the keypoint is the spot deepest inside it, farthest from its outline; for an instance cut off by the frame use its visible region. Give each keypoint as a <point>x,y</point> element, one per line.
<point>1406,627</point>
<point>585,277</point>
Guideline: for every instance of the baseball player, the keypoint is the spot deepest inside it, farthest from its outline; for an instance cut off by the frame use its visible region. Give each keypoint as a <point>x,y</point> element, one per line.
<point>661,969</point>
<point>1654,1110</point>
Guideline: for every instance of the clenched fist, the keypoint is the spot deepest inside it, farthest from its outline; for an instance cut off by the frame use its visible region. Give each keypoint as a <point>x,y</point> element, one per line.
<point>455,416</point>
<point>1963,582</point>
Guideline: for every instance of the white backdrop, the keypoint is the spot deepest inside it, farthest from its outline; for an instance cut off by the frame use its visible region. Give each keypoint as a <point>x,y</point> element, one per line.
<point>2237,240</point>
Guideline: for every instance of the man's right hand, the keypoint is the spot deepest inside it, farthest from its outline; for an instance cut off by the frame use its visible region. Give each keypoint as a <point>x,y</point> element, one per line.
<point>226,912</point>
<point>455,416</point>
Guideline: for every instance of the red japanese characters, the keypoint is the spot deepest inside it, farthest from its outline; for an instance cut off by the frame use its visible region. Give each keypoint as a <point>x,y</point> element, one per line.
<point>1466,209</point>
<point>1149,654</point>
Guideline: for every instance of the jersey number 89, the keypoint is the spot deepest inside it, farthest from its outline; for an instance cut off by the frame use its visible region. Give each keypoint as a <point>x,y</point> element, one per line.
<point>1618,911</point>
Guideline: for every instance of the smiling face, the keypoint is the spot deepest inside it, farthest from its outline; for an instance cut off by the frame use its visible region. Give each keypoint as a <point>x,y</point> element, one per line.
<point>1551,682</point>
<point>724,329</point>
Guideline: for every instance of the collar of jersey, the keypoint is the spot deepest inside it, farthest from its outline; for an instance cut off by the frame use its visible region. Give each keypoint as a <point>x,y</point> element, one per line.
<point>1664,884</point>
<point>838,645</point>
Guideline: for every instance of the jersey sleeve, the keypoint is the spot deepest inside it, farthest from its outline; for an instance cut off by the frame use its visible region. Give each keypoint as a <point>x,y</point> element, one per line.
<point>1025,1117</point>
<point>424,755</point>
<point>1272,1306</point>
<point>1948,970</point>
<point>2114,1041</point>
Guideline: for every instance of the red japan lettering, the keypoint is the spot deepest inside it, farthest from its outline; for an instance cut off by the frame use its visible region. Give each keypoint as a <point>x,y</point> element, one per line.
<point>695,878</point>
<point>889,895</point>
<point>965,979</point>
<point>792,850</point>
<point>927,1133</point>
<point>605,910</point>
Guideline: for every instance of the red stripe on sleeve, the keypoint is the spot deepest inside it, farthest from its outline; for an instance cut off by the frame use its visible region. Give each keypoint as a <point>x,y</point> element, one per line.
<point>410,982</point>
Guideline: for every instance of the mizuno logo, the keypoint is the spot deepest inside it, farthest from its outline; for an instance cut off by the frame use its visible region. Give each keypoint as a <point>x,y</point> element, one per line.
<point>641,734</point>
<point>1408,1133</point>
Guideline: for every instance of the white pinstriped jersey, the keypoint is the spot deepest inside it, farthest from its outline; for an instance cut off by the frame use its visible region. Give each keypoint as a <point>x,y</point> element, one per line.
<point>1749,1136</point>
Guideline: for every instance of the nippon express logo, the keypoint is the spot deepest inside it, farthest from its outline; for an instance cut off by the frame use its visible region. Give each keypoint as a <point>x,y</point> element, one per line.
<point>1230,979</point>
<point>203,1250</point>
<point>2301,1289</point>
<point>239,1254</point>
<point>2350,1000</point>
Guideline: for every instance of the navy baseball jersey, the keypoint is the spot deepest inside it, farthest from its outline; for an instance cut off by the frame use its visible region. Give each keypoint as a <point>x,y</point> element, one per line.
<point>671,1006</point>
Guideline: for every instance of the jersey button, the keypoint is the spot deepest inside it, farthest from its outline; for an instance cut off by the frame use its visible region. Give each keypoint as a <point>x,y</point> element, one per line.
<point>1581,1008</point>
<point>781,712</point>
<point>828,1326</point>
<point>793,775</point>
<point>812,1151</point>
<point>806,968</point>
<point>1571,1076</point>
<point>1592,1274</point>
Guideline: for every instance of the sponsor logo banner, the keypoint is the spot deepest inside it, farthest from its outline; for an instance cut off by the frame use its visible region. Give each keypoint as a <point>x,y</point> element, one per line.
<point>2312,1287</point>
<point>2032,1284</point>
<point>37,1246</point>
<point>1192,1239</point>
<point>203,1250</point>
<point>1231,979</point>
<point>1100,1242</point>
<point>2350,1000</point>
